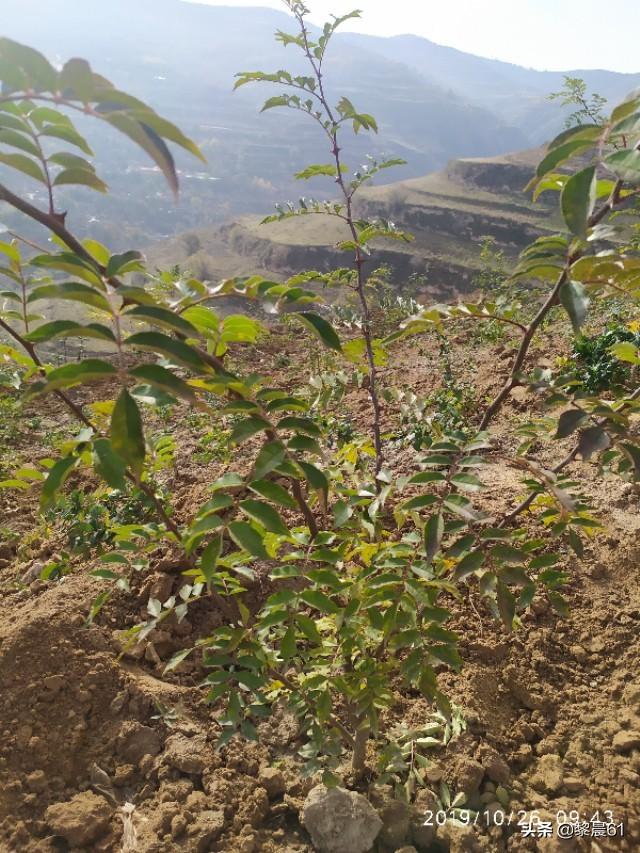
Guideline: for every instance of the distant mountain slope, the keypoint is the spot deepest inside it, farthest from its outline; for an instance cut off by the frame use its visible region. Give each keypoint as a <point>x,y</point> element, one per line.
<point>432,104</point>
<point>449,213</point>
<point>518,95</point>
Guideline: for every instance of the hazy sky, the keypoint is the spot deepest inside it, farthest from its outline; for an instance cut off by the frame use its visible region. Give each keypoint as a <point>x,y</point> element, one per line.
<point>546,34</point>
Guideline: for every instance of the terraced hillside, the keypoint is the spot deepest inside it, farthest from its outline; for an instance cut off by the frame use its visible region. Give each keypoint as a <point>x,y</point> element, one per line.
<point>448,212</point>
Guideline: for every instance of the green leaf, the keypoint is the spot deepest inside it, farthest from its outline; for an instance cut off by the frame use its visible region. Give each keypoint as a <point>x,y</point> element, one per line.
<point>247,427</point>
<point>569,421</point>
<point>24,164</point>
<point>67,328</point>
<point>108,464</point>
<point>164,379</point>
<point>22,68</point>
<point>316,478</point>
<point>131,261</point>
<point>74,291</point>
<point>577,201</point>
<point>209,558</point>
<point>176,351</point>
<point>275,101</point>
<point>80,177</point>
<point>247,538</point>
<point>157,316</point>
<point>149,140</point>
<point>18,140</point>
<point>70,161</point>
<point>433,533</point>
<point>127,435</point>
<point>575,301</point>
<point>304,425</point>
<point>419,502</point>
<point>561,154</point>
<point>323,329</point>
<point>67,134</point>
<point>506,605</point>
<point>77,80</point>
<point>469,564</point>
<point>593,440</point>
<point>270,457</point>
<point>176,660</point>
<point>316,598</point>
<point>273,492</point>
<point>288,648</point>
<point>265,515</point>
<point>625,165</point>
<point>76,373</point>
<point>55,480</point>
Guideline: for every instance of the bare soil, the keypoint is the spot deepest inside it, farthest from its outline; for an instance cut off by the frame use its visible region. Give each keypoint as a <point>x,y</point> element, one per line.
<point>553,711</point>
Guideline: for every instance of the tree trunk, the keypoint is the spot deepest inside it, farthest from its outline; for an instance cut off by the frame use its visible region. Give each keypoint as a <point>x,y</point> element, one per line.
<point>358,765</point>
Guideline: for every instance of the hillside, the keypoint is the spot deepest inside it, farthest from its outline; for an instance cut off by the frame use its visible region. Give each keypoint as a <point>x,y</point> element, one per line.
<point>432,103</point>
<point>448,212</point>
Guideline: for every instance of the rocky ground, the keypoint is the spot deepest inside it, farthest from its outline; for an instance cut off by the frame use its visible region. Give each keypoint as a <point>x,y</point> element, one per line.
<point>91,760</point>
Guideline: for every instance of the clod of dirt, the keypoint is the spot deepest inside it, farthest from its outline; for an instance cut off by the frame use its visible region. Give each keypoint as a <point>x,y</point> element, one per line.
<point>273,781</point>
<point>458,839</point>
<point>422,832</point>
<point>548,776</point>
<point>135,741</point>
<point>186,754</point>
<point>81,820</point>
<point>340,821</point>
<point>495,766</point>
<point>626,741</point>
<point>206,830</point>
<point>394,814</point>
<point>470,774</point>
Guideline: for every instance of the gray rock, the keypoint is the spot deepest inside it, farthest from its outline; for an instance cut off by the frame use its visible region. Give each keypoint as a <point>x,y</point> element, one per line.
<point>340,821</point>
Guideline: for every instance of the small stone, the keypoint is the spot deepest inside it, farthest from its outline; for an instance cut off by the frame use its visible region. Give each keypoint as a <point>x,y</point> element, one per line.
<point>81,820</point>
<point>54,683</point>
<point>626,741</point>
<point>340,821</point>
<point>272,780</point>
<point>549,774</point>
